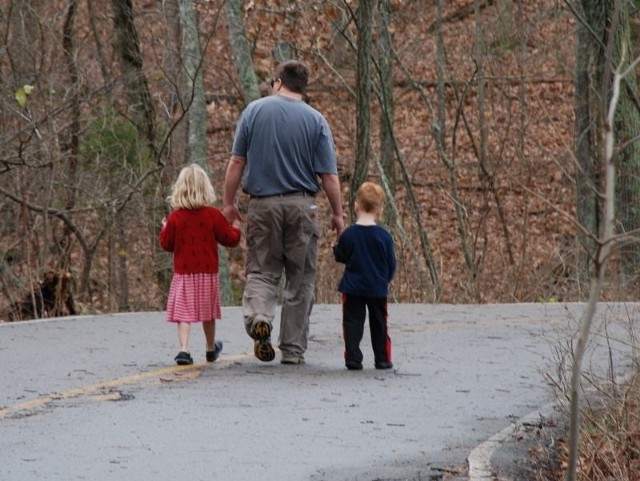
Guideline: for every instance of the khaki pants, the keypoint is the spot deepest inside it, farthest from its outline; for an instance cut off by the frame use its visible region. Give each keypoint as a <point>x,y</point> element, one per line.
<point>282,237</point>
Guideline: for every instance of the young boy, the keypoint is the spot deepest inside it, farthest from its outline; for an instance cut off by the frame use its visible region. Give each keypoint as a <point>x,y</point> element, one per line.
<point>367,251</point>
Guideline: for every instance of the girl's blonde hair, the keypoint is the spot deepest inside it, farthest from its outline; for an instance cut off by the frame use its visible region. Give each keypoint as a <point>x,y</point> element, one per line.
<point>192,189</point>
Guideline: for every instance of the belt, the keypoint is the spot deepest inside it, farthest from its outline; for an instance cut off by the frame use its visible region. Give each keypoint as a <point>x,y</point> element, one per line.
<point>303,193</point>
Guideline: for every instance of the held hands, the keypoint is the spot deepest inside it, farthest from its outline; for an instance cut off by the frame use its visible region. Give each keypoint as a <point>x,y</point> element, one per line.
<point>337,223</point>
<point>232,214</point>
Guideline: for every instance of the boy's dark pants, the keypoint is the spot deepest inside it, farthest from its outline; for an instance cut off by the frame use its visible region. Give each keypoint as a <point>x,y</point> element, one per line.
<point>354,310</point>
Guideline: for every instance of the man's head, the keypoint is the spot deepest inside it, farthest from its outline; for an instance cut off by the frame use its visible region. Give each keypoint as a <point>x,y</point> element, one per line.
<point>294,75</point>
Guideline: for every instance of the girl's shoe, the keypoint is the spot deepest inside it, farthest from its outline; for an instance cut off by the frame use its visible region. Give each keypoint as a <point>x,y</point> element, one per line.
<point>183,358</point>
<point>217,349</point>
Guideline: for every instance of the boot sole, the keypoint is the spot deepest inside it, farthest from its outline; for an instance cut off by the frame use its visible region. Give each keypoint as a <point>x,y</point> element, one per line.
<point>262,348</point>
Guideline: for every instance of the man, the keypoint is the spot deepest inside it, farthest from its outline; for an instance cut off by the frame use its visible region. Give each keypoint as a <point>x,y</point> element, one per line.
<point>281,147</point>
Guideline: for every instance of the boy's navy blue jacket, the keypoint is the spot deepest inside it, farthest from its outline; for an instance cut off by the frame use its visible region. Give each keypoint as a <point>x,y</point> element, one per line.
<point>370,260</point>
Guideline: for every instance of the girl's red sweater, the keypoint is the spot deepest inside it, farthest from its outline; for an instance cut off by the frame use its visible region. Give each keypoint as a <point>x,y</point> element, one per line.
<point>193,236</point>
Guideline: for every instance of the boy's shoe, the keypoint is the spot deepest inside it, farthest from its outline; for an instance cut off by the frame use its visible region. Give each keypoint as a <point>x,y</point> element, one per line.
<point>353,365</point>
<point>183,358</point>
<point>217,349</point>
<point>384,365</point>
<point>262,348</point>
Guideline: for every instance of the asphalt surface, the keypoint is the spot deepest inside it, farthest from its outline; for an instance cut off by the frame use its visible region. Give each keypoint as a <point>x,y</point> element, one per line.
<point>99,397</point>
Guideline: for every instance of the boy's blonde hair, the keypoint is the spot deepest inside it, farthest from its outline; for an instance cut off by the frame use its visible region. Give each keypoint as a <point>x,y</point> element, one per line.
<point>192,189</point>
<point>370,197</point>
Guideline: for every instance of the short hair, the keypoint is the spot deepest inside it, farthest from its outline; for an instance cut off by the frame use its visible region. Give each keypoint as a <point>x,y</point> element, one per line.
<point>294,75</point>
<point>370,197</point>
<point>192,189</point>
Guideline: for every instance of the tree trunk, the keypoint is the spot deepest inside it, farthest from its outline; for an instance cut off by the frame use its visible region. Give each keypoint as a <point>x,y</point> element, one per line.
<point>449,160</point>
<point>176,148</point>
<point>385,63</point>
<point>488,168</point>
<point>177,79</point>
<point>521,43</point>
<point>627,126</point>
<point>128,49</point>
<point>104,65</point>
<point>73,143</point>
<point>197,115</point>
<point>143,115</point>
<point>241,51</point>
<point>606,242</point>
<point>249,90</point>
<point>597,53</point>
<point>121,251</point>
<point>586,151</point>
<point>20,53</point>
<point>363,100</point>
<point>505,31</point>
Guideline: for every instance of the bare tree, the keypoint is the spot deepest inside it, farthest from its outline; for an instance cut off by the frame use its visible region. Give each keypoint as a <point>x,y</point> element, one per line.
<point>363,99</point>
<point>128,49</point>
<point>384,20</point>
<point>197,112</point>
<point>242,51</point>
<point>603,33</point>
<point>143,117</point>
<point>606,242</point>
<point>177,104</point>
<point>72,145</point>
<point>248,89</point>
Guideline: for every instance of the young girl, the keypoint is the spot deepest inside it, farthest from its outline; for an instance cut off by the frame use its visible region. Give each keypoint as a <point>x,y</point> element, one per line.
<point>192,232</point>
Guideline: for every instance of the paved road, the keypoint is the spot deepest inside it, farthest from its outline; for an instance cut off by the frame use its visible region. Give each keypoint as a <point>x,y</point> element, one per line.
<point>99,398</point>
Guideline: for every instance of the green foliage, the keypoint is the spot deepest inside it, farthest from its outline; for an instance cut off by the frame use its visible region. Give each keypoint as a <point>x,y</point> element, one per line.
<point>114,146</point>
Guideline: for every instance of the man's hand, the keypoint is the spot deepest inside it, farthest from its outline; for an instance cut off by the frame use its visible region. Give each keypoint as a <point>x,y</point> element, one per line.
<point>337,224</point>
<point>232,179</point>
<point>331,185</point>
<point>232,213</point>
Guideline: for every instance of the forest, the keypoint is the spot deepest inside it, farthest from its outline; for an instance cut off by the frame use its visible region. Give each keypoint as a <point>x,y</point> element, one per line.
<point>466,111</point>
<point>503,131</point>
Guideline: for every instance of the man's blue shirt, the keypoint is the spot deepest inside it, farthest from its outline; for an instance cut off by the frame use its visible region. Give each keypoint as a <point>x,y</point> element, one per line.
<point>287,144</point>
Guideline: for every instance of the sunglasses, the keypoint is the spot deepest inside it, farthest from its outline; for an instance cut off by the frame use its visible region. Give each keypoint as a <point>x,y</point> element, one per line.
<point>273,81</point>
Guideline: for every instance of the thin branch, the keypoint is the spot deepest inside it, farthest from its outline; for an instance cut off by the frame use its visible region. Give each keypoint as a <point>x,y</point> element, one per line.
<point>605,246</point>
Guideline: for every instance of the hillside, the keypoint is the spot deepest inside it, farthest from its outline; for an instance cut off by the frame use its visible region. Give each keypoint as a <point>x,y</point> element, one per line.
<point>493,210</point>
<point>517,234</point>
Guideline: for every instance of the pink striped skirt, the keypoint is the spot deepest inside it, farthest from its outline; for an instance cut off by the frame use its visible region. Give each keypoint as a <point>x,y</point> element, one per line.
<point>194,298</point>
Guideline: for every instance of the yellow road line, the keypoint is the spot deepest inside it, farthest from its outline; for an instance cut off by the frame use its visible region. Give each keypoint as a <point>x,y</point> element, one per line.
<point>182,373</point>
<point>194,370</point>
